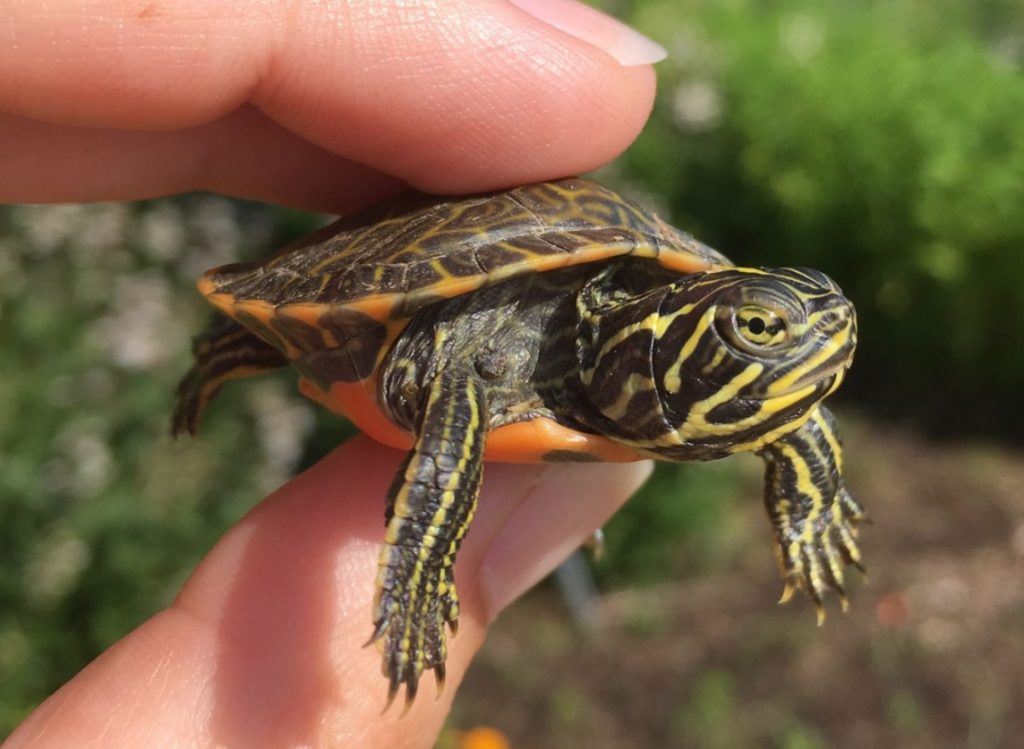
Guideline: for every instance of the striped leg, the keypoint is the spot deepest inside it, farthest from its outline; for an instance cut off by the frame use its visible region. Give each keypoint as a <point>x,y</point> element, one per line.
<point>224,351</point>
<point>431,504</point>
<point>814,515</point>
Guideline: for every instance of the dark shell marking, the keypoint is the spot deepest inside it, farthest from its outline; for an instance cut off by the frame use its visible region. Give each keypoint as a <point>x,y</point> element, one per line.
<point>422,244</point>
<point>321,301</point>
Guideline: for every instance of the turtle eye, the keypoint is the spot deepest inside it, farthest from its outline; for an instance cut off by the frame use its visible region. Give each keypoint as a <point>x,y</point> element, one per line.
<point>755,328</point>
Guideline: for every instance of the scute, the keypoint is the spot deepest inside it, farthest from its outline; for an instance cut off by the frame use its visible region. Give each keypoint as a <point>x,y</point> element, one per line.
<point>632,354</point>
<point>390,261</point>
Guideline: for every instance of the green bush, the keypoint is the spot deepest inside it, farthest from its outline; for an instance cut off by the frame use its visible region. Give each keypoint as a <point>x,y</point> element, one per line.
<point>102,515</point>
<point>880,141</point>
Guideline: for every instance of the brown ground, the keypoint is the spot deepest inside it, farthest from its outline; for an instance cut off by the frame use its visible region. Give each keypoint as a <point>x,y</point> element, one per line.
<point>931,653</point>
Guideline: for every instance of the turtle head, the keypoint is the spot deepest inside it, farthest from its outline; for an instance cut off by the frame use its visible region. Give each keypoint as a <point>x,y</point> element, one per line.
<point>718,362</point>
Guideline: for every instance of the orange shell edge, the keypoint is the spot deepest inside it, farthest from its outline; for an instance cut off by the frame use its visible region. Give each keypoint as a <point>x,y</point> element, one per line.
<point>524,442</point>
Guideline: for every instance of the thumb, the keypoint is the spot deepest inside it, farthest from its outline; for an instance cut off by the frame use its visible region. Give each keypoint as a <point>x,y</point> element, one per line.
<point>447,95</point>
<point>263,646</point>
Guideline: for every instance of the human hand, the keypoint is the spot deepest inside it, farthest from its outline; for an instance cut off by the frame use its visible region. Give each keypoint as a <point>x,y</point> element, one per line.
<point>329,107</point>
<point>264,644</point>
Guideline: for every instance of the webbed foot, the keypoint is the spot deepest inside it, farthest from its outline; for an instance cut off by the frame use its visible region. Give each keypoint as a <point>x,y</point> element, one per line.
<point>814,516</point>
<point>410,629</point>
<point>813,560</point>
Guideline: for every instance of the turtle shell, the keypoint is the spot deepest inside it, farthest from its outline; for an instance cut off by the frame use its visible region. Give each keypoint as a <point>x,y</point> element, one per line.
<point>345,292</point>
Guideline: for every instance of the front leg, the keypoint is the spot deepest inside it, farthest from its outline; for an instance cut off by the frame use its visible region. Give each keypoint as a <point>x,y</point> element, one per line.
<point>814,516</point>
<point>430,505</point>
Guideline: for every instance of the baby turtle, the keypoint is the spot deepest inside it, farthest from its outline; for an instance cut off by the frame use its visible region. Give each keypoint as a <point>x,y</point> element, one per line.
<point>554,321</point>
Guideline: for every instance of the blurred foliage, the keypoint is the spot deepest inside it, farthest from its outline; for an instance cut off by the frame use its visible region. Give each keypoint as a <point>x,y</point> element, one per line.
<point>881,141</point>
<point>102,515</point>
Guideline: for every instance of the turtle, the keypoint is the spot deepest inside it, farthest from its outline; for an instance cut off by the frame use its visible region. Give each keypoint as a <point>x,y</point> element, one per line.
<point>550,322</point>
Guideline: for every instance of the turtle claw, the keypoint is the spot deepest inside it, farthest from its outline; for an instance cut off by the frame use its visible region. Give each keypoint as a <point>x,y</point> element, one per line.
<point>812,555</point>
<point>595,544</point>
<point>393,686</point>
<point>395,682</point>
<point>412,640</point>
<point>788,591</point>
<point>380,627</point>
<point>411,688</point>
<point>819,614</point>
<point>814,593</point>
<point>411,679</point>
<point>408,651</point>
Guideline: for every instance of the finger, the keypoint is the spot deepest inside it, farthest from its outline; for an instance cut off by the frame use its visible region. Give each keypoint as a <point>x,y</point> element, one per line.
<point>245,154</point>
<point>549,525</point>
<point>263,646</point>
<point>448,95</point>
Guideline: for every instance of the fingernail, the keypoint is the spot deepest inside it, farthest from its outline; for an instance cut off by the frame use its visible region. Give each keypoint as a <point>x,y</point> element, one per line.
<point>628,46</point>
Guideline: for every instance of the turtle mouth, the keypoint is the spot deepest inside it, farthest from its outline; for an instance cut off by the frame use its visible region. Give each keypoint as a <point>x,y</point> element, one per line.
<point>827,377</point>
<point>821,371</point>
<point>834,368</point>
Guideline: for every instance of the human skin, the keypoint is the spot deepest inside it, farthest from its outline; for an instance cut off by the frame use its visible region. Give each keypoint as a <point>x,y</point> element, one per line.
<point>330,106</point>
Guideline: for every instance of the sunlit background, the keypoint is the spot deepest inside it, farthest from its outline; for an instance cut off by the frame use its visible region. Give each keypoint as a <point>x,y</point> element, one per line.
<point>881,141</point>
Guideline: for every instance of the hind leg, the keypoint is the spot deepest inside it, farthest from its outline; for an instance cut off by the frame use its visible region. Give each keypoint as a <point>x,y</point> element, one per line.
<point>224,351</point>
